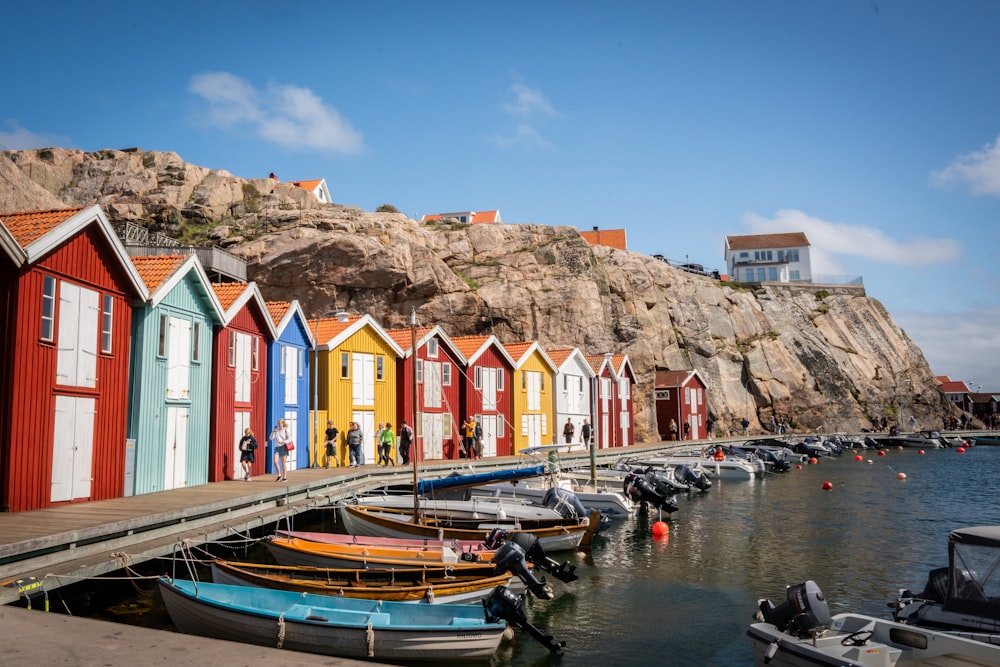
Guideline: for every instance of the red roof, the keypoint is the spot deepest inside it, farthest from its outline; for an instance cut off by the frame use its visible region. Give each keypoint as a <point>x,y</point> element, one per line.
<point>30,226</point>
<point>761,241</point>
<point>611,238</point>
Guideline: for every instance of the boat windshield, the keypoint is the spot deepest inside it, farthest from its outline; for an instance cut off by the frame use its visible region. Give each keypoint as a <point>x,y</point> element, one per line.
<point>975,579</point>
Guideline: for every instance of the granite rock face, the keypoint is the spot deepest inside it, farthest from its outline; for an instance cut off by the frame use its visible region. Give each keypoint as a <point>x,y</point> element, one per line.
<point>823,359</point>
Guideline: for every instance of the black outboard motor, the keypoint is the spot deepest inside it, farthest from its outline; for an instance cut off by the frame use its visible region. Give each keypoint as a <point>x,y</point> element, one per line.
<point>533,551</point>
<point>565,502</point>
<point>692,477</point>
<point>644,489</point>
<point>510,557</point>
<point>805,610</point>
<point>503,605</point>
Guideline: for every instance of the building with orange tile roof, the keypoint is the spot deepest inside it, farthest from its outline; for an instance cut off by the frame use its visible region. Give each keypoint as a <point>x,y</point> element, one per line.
<point>357,376</point>
<point>240,346</point>
<point>289,366</point>
<point>439,366</point>
<point>487,391</point>
<point>318,187</point>
<point>773,258</point>
<point>170,383</point>
<point>680,399</point>
<point>573,393</point>
<point>471,217</point>
<point>66,289</point>
<point>533,407</point>
<point>611,238</point>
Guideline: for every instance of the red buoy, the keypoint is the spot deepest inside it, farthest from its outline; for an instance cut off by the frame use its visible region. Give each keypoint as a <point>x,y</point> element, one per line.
<point>812,460</point>
<point>881,452</point>
<point>798,466</point>
<point>960,450</point>
<point>858,457</point>
<point>660,528</point>
<point>921,451</point>
<point>827,486</point>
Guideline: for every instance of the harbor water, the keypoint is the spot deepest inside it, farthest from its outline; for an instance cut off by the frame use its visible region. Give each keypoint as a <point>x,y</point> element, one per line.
<point>687,598</point>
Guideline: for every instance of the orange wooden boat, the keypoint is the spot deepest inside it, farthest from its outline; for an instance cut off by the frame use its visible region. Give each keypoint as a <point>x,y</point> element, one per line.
<point>295,551</point>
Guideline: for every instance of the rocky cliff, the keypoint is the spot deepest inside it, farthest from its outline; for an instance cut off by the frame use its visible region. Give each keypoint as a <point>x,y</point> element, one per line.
<point>821,359</point>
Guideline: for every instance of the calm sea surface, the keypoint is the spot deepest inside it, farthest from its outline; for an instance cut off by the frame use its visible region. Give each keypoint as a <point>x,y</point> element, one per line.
<point>687,599</point>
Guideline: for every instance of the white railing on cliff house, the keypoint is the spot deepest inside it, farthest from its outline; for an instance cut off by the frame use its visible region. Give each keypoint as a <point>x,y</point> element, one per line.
<point>221,266</point>
<point>833,279</point>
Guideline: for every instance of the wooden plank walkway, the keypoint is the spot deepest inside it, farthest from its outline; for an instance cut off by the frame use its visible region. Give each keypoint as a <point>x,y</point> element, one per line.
<point>63,545</point>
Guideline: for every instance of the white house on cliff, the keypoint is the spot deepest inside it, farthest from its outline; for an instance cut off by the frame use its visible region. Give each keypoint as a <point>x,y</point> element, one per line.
<point>772,258</point>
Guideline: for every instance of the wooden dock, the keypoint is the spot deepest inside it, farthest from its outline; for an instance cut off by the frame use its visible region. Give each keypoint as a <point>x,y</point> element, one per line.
<point>63,545</point>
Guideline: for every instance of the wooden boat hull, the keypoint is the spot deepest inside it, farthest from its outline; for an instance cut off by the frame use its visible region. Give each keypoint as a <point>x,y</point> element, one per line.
<point>388,522</point>
<point>292,551</point>
<point>326,625</point>
<point>368,540</point>
<point>417,586</point>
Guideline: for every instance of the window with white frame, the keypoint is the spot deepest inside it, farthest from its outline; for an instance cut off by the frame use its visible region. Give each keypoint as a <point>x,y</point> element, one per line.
<point>345,366</point>
<point>446,374</point>
<point>48,308</point>
<point>432,348</point>
<point>107,323</point>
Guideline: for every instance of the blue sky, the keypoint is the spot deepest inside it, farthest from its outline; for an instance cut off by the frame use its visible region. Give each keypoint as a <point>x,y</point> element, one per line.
<point>874,127</point>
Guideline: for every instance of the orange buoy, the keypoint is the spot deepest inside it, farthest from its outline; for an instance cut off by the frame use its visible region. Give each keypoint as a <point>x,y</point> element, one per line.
<point>812,460</point>
<point>900,475</point>
<point>660,528</point>
<point>827,486</point>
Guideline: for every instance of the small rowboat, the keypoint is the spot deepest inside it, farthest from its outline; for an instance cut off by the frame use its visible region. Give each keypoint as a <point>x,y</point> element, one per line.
<point>295,551</point>
<point>420,585</point>
<point>327,625</point>
<point>460,546</point>
<point>392,522</point>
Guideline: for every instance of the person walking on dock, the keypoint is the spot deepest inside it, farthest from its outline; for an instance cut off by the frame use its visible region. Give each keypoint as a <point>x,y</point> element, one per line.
<point>387,440</point>
<point>248,444</point>
<point>405,439</point>
<point>281,438</point>
<point>354,440</point>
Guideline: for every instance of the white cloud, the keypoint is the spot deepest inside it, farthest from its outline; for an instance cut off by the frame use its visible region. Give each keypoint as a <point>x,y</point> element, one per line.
<point>16,138</point>
<point>286,115</point>
<point>831,239</point>
<point>524,135</point>
<point>961,345</point>
<point>979,170</point>
<point>528,101</point>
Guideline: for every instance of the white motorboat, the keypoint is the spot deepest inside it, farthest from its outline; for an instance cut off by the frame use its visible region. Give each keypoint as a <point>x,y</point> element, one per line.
<point>543,491</point>
<point>800,632</point>
<point>965,595</point>
<point>716,467</point>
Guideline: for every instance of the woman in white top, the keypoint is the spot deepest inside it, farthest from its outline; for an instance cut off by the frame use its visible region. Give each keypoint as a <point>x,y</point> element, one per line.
<point>281,438</point>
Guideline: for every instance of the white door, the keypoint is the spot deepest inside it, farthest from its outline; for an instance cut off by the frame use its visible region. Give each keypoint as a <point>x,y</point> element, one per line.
<point>432,383</point>
<point>366,420</point>
<point>489,424</point>
<point>242,368</point>
<point>488,382</point>
<point>79,315</point>
<point>605,432</point>
<point>531,428</point>
<point>241,420</point>
<point>178,358</point>
<point>72,448</point>
<point>432,436</point>
<point>291,370</point>
<point>292,420</point>
<point>534,380</point>
<point>363,379</point>
<point>175,466</point>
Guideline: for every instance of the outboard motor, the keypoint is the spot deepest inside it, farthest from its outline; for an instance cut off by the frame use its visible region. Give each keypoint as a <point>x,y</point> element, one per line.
<point>565,502</point>
<point>692,477</point>
<point>503,605</point>
<point>495,538</point>
<point>644,489</point>
<point>533,551</point>
<point>805,610</point>
<point>511,558</point>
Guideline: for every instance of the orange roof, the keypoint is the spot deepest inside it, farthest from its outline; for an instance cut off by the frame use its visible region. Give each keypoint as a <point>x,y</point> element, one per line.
<point>560,355</point>
<point>468,345</point>
<point>759,241</point>
<point>154,269</point>
<point>329,328</point>
<point>611,238</point>
<point>403,336</point>
<point>473,216</point>
<point>517,350</point>
<point>228,293</point>
<point>277,309</point>
<point>308,185</point>
<point>30,226</point>
<point>595,361</point>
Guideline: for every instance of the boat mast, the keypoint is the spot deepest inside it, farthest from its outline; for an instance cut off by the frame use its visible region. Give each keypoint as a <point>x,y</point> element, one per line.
<point>415,451</point>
